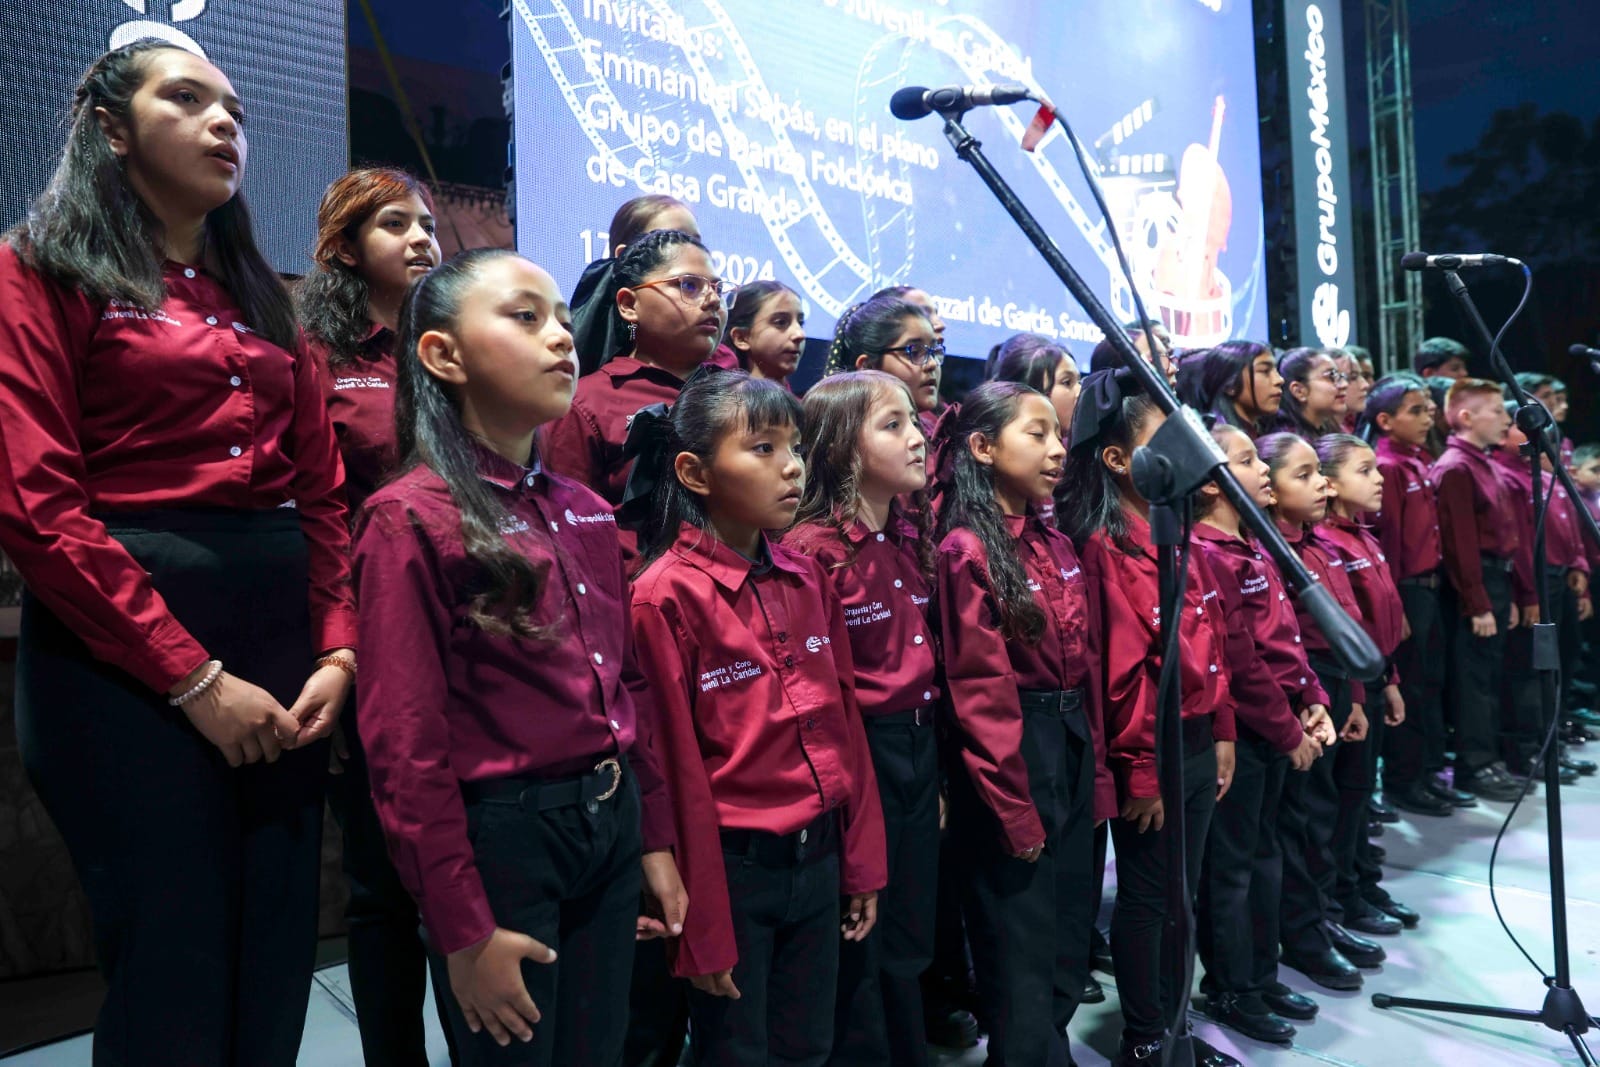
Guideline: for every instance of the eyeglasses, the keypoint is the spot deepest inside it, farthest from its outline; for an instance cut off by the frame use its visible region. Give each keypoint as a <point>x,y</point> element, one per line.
<point>692,287</point>
<point>1337,377</point>
<point>917,353</point>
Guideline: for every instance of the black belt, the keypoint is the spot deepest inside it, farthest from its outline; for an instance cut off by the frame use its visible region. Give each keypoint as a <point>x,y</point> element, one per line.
<point>1425,581</point>
<point>1197,734</point>
<point>1062,702</point>
<point>922,716</point>
<point>812,841</point>
<point>548,794</point>
<point>1496,563</point>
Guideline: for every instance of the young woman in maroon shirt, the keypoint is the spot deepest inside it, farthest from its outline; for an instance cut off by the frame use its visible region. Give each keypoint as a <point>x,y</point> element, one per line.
<point>1313,940</point>
<point>670,303</point>
<point>865,451</point>
<point>747,651</point>
<point>507,731</point>
<point>1027,756</point>
<point>173,500</point>
<point>1108,520</point>
<point>1355,488</point>
<point>375,236</point>
<point>1237,381</point>
<point>1282,723</point>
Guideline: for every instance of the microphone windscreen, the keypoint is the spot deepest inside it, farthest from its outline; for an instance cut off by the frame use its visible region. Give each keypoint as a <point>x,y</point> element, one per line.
<point>1414,261</point>
<point>907,104</point>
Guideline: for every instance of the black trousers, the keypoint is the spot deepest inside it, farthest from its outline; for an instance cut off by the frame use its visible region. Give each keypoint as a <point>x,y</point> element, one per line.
<point>570,878</point>
<point>388,960</point>
<point>1357,880</point>
<point>1307,816</point>
<point>1479,666</point>
<point>1029,922</point>
<point>1141,948</point>
<point>1242,878</point>
<point>658,1010</point>
<point>784,894</point>
<point>1416,747</point>
<point>202,878</point>
<point>879,1011</point>
<point>1337,789</point>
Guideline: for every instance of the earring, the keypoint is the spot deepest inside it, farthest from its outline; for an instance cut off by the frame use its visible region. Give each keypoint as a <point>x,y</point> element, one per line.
<point>633,331</point>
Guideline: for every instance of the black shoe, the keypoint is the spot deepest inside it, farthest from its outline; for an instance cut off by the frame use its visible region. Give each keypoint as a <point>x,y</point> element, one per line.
<point>1377,809</point>
<point>1374,922</point>
<point>1379,854</point>
<point>1409,917</point>
<point>1456,798</point>
<point>1493,782</point>
<point>1327,968</point>
<point>951,1028</point>
<point>1358,950</point>
<point>1583,767</point>
<point>1208,1055</point>
<point>1235,1013</point>
<point>1374,828</point>
<point>1099,952</point>
<point>1093,993</point>
<point>1142,1053</point>
<point>1419,800</point>
<point>1281,1000</point>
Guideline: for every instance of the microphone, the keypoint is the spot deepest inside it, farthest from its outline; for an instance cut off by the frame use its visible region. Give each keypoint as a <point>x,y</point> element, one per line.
<point>914,101</point>
<point>1454,261</point>
<point>1584,352</point>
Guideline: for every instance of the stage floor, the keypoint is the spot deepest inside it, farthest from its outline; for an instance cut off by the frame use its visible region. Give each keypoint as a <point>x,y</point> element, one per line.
<point>1438,866</point>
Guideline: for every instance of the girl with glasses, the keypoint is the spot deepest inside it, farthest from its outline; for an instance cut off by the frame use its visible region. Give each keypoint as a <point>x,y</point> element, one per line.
<point>891,334</point>
<point>1315,393</point>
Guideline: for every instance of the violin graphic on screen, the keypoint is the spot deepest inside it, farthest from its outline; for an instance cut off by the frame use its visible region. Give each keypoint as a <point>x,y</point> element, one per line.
<point>1193,295</point>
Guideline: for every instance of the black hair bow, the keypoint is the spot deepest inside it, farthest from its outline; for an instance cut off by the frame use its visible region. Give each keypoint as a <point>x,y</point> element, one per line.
<point>649,435</point>
<point>1100,404</point>
<point>598,335</point>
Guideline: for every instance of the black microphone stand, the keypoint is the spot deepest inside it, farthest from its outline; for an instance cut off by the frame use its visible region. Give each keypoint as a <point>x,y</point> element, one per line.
<point>1563,1011</point>
<point>1179,459</point>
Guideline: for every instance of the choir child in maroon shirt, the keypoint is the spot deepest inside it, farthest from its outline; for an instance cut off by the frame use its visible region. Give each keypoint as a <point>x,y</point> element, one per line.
<point>507,729</point>
<point>670,302</point>
<point>865,452</point>
<point>747,650</point>
<point>1042,365</point>
<point>1282,723</point>
<point>766,330</point>
<point>1399,418</point>
<point>1109,521</point>
<point>173,500</point>
<point>1480,543</point>
<point>1355,488</point>
<point>1314,942</point>
<point>1315,392</point>
<point>892,334</point>
<point>1026,762</point>
<point>375,236</point>
<point>598,335</point>
<point>1237,381</point>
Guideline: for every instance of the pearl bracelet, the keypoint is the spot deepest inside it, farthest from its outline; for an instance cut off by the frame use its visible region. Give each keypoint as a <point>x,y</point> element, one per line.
<point>212,674</point>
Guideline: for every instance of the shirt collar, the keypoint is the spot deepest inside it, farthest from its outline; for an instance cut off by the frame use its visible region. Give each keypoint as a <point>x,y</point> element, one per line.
<point>898,527</point>
<point>1396,448</point>
<point>1293,532</point>
<point>725,566</point>
<point>497,470</point>
<point>623,368</point>
<point>1207,532</point>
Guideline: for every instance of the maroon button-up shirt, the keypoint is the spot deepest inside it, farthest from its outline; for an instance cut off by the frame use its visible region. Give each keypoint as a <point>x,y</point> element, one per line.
<point>885,598</point>
<point>586,443</point>
<point>1325,561</point>
<point>759,727</point>
<point>1383,616</point>
<point>985,671</point>
<point>1127,648</point>
<point>1267,670</point>
<point>444,702</point>
<point>1407,525</point>
<point>107,408</point>
<point>360,397</point>
<point>1562,535</point>
<point>1477,509</point>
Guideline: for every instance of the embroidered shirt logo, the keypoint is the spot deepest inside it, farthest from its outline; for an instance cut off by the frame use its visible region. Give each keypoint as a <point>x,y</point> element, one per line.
<point>604,516</point>
<point>718,677</point>
<point>815,643</point>
<point>118,309</point>
<point>862,614</point>
<point>360,381</point>
<point>513,524</point>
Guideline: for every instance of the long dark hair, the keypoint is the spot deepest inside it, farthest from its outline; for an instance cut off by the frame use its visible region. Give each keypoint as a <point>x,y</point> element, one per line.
<point>90,231</point>
<point>836,411</point>
<point>1295,365</point>
<point>745,307</point>
<point>428,427</point>
<point>970,504</point>
<point>1090,499</point>
<point>868,328</point>
<point>711,406</point>
<point>332,297</point>
<point>1213,379</point>
<point>1386,398</point>
<point>1029,358</point>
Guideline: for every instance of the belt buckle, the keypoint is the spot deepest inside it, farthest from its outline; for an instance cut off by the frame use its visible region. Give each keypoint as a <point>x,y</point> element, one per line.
<point>615,768</point>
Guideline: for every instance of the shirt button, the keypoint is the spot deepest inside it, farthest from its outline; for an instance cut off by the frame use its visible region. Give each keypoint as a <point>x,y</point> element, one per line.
<point>235,451</point>
<point>615,725</point>
<point>1297,639</point>
<point>1302,681</point>
<point>555,526</point>
<point>898,583</point>
<point>927,694</point>
<point>788,661</point>
<point>917,640</point>
<point>188,272</point>
<point>880,537</point>
<point>1213,668</point>
<point>598,658</point>
<point>211,320</point>
<point>1280,596</point>
<point>783,635</point>
<point>236,381</point>
<point>528,480</point>
<point>583,590</point>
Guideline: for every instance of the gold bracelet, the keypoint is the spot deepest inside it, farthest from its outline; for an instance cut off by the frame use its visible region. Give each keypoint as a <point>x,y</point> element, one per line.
<point>344,663</point>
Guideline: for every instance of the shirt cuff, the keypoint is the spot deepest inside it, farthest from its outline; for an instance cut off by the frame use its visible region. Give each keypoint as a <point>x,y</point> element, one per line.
<point>457,916</point>
<point>1137,778</point>
<point>335,629</point>
<point>1023,830</point>
<point>175,655</point>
